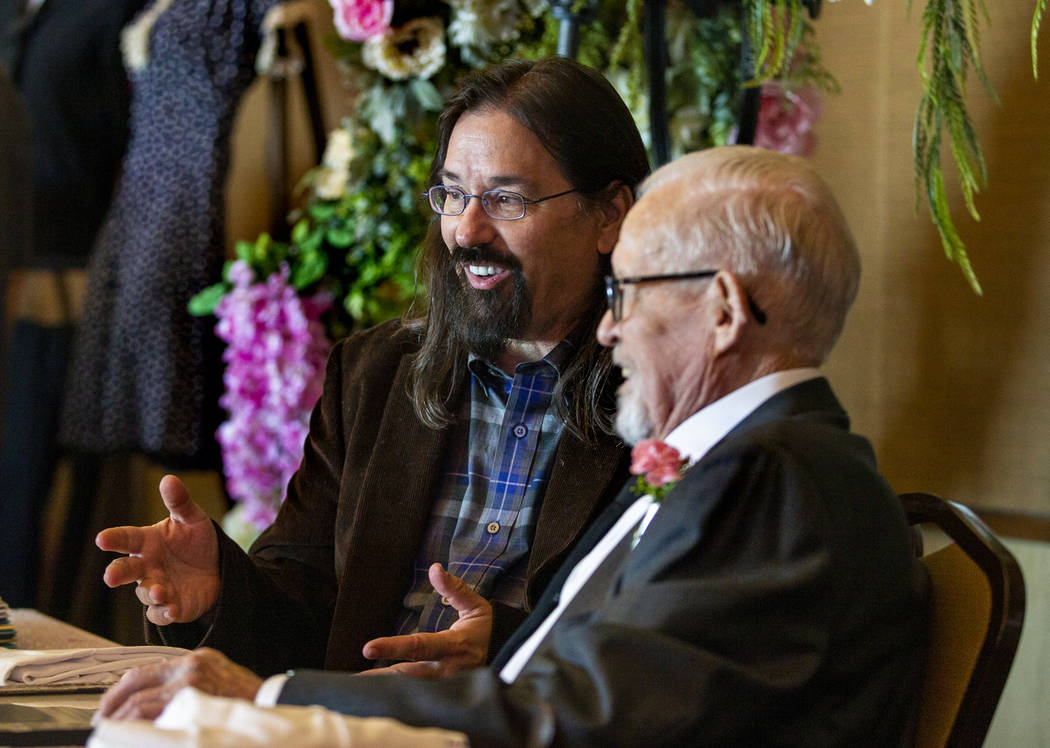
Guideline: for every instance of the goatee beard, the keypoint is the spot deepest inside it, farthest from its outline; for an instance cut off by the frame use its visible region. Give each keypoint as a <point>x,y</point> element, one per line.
<point>485,320</point>
<point>632,422</point>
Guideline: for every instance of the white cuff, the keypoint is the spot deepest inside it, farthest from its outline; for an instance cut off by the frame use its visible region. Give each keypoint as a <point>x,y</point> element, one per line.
<point>270,691</point>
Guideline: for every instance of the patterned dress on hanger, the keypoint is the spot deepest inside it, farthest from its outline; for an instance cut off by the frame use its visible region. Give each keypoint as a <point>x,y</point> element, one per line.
<point>142,377</point>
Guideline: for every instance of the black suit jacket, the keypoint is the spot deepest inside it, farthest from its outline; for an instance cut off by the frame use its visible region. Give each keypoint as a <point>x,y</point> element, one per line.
<point>332,571</point>
<point>773,600</point>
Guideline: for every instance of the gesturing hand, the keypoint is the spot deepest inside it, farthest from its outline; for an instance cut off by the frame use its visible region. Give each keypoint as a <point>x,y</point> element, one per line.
<point>432,655</point>
<point>144,692</point>
<point>175,562</point>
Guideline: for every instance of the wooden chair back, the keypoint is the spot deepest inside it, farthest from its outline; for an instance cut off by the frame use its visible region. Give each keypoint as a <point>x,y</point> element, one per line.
<point>977,608</point>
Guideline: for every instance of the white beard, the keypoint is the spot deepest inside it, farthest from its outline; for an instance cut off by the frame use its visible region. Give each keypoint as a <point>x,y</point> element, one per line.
<point>632,422</point>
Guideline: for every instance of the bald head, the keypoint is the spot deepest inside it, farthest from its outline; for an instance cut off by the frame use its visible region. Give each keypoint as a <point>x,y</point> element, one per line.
<point>734,263</point>
<point>769,219</point>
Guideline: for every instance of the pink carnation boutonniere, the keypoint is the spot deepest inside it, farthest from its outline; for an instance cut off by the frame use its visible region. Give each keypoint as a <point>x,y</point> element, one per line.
<point>658,466</point>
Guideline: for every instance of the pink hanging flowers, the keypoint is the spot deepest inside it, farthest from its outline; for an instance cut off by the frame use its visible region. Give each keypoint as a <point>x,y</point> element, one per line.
<point>275,355</point>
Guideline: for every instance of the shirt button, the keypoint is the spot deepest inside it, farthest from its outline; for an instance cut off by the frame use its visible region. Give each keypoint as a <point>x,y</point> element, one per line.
<point>520,430</point>
<point>492,528</point>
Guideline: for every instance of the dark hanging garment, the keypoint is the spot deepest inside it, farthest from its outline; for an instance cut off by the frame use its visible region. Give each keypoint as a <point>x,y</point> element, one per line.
<point>15,205</point>
<point>15,170</point>
<point>66,64</point>
<point>76,93</point>
<point>141,377</point>
<point>36,368</point>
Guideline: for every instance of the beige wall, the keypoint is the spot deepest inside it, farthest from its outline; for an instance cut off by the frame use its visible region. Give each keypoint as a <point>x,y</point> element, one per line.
<point>953,389</point>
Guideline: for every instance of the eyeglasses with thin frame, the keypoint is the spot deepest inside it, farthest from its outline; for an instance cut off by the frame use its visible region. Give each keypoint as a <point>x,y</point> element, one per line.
<point>502,205</point>
<point>614,290</point>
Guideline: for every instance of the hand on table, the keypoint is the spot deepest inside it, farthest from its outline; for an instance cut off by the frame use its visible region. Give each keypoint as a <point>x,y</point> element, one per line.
<point>431,655</point>
<point>175,562</point>
<point>144,692</point>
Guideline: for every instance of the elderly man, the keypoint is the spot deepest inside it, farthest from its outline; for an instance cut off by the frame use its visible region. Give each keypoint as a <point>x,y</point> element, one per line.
<point>478,435</point>
<point>767,594</point>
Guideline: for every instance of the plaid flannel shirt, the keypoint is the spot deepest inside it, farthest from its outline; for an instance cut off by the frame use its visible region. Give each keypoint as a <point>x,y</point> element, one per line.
<point>495,473</point>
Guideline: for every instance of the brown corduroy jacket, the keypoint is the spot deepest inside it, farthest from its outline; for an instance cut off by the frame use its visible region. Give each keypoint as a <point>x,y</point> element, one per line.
<point>331,572</point>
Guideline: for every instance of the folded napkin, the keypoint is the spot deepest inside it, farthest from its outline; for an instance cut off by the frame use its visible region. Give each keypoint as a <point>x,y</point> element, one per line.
<point>100,666</point>
<point>195,719</point>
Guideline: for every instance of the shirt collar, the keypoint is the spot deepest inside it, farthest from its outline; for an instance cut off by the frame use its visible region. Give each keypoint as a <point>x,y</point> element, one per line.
<point>558,358</point>
<point>705,428</point>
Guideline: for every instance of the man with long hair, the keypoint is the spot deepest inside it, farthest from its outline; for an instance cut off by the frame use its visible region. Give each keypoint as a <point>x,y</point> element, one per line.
<point>760,588</point>
<point>476,434</point>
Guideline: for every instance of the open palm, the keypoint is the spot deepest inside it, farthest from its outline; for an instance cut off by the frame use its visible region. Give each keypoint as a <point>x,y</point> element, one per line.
<point>431,655</point>
<point>175,562</point>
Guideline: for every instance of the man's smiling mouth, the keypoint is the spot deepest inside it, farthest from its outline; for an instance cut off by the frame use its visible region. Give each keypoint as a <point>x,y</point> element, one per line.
<point>484,270</point>
<point>484,277</point>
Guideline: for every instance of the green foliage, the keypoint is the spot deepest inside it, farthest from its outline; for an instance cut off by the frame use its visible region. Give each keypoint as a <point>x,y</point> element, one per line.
<point>775,29</point>
<point>1037,19</point>
<point>364,243</point>
<point>205,302</point>
<point>358,242</point>
<point>949,50</point>
<point>703,61</point>
<point>703,78</point>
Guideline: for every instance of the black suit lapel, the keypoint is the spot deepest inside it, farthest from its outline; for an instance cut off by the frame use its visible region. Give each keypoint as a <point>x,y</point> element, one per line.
<point>549,601</point>
<point>667,537</point>
<point>581,476</point>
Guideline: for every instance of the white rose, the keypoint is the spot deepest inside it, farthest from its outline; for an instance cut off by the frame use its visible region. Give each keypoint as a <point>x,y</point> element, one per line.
<point>424,36</point>
<point>338,151</point>
<point>331,183</point>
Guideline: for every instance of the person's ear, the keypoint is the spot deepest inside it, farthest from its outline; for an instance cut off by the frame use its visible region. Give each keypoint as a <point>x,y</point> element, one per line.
<point>614,210</point>
<point>733,311</point>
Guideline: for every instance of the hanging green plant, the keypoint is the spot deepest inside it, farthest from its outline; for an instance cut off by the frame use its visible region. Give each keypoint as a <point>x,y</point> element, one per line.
<point>1037,19</point>
<point>950,48</point>
<point>775,29</point>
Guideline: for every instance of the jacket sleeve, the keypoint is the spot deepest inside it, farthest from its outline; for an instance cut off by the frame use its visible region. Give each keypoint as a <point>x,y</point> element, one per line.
<point>275,605</point>
<point>505,621</point>
<point>747,615</point>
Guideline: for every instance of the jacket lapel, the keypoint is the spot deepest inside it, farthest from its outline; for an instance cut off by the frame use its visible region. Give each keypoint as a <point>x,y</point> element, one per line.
<point>387,529</point>
<point>549,601</point>
<point>582,475</point>
<point>390,478</point>
<point>668,537</point>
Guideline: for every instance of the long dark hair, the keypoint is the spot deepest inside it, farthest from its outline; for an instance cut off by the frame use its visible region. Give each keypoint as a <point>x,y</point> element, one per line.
<point>584,124</point>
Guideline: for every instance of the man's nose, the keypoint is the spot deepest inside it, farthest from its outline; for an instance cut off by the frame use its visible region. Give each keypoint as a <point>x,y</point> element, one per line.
<point>607,332</point>
<point>475,227</point>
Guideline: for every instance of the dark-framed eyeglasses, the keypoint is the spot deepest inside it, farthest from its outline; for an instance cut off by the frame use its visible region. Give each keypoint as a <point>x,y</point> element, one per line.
<point>499,204</point>
<point>614,290</point>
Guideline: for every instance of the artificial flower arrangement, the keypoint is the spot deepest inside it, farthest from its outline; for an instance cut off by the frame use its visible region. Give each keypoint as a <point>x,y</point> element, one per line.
<point>349,261</point>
